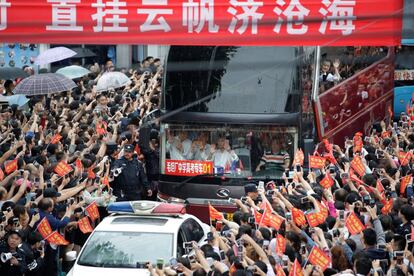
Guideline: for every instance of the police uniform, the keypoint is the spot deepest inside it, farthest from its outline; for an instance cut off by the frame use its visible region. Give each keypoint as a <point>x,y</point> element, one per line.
<point>132,181</point>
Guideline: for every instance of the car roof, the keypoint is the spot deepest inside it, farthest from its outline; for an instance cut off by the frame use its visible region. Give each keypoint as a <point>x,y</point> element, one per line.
<point>142,223</point>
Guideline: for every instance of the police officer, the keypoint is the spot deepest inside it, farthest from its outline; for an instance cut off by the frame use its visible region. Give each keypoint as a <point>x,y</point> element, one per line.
<point>129,177</point>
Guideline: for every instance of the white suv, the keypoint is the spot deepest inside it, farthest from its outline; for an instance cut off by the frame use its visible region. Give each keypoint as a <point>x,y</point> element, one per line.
<point>134,234</point>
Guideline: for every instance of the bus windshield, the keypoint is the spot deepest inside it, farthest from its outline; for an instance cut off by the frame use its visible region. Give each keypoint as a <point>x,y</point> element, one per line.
<point>252,80</point>
<point>236,151</point>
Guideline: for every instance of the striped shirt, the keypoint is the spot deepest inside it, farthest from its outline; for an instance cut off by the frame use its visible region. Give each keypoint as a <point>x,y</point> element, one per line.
<point>270,159</point>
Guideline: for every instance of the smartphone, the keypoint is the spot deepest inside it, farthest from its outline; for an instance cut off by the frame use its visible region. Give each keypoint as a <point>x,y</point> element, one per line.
<point>270,193</point>
<point>261,186</point>
<point>367,139</point>
<point>160,263</point>
<point>304,200</point>
<point>332,169</point>
<point>222,255</point>
<point>341,215</point>
<point>335,233</point>
<point>381,247</point>
<point>303,249</point>
<point>287,173</point>
<point>285,260</point>
<point>298,168</point>
<point>344,175</point>
<point>398,254</point>
<point>188,246</point>
<point>71,201</point>
<point>288,216</point>
<point>251,220</point>
<point>210,261</point>
<point>173,263</point>
<point>265,245</point>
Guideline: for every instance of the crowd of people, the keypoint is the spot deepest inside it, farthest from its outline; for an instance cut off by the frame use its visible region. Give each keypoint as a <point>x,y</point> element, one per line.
<point>65,151</point>
<point>351,216</point>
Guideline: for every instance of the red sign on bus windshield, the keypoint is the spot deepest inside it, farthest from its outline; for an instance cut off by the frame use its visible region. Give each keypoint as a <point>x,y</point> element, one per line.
<point>188,167</point>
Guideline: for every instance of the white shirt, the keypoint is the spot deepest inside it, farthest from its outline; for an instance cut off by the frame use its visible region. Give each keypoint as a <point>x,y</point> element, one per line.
<point>224,158</point>
<point>201,155</point>
<point>175,153</point>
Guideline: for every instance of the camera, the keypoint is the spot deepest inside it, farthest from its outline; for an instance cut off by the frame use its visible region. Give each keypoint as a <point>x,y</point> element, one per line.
<point>188,246</point>
<point>304,200</point>
<point>341,214</point>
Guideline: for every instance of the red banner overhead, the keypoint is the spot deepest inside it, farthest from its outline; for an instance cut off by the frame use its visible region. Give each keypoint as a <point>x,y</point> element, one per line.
<point>202,22</point>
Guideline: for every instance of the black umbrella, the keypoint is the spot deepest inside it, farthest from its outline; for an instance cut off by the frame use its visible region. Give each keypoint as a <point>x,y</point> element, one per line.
<point>83,53</point>
<point>11,73</point>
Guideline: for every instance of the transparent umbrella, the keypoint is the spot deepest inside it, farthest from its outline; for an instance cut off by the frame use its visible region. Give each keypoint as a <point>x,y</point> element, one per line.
<point>112,80</point>
<point>53,55</point>
<point>73,71</point>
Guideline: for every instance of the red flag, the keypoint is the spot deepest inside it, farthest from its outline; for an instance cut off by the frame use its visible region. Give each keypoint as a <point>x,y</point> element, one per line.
<point>84,225</point>
<point>275,221</point>
<point>214,214</point>
<point>279,270</point>
<point>1,175</point>
<point>319,258</point>
<point>353,224</point>
<point>10,166</point>
<point>78,164</point>
<point>323,211</point>
<point>404,183</point>
<point>327,181</point>
<point>62,168</point>
<point>404,158</point>
<point>298,217</point>
<point>44,228</point>
<point>56,138</point>
<point>93,211</point>
<point>316,162</point>
<point>299,158</point>
<point>358,165</point>
<point>355,178</point>
<point>412,232</point>
<point>280,245</point>
<point>296,269</point>
<point>56,238</point>
<point>262,219</point>
<point>105,181</point>
<point>314,219</point>
<point>91,174</point>
<point>101,128</point>
<point>328,146</point>
<point>358,144</point>
<point>380,187</point>
<point>387,207</point>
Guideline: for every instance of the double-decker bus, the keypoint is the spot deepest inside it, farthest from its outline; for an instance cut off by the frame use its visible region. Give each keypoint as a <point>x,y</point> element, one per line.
<point>231,115</point>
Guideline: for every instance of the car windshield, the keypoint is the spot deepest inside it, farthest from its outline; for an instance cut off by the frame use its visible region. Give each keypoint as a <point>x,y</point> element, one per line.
<point>236,151</point>
<point>126,249</point>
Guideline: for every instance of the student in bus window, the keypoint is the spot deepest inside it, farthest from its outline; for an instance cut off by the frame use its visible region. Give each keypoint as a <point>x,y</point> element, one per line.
<point>326,77</point>
<point>179,147</point>
<point>222,155</point>
<point>200,149</point>
<point>276,158</point>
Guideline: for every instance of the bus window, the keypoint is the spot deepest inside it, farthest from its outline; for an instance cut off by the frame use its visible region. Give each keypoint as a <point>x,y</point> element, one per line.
<point>239,151</point>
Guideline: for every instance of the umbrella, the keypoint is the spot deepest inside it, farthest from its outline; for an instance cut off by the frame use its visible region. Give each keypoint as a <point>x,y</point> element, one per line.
<point>19,100</point>
<point>53,55</point>
<point>112,80</point>
<point>44,84</point>
<point>11,73</point>
<point>83,53</point>
<point>73,72</point>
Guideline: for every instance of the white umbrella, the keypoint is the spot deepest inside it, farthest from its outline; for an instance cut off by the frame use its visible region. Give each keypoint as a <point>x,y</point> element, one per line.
<point>112,80</point>
<point>73,71</point>
<point>53,55</point>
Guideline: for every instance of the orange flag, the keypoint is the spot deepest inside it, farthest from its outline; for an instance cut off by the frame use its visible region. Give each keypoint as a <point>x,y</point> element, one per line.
<point>314,219</point>
<point>390,113</point>
<point>404,158</point>
<point>324,212</point>
<point>93,211</point>
<point>1,175</point>
<point>275,221</point>
<point>353,224</point>
<point>214,214</point>
<point>327,181</point>
<point>44,228</point>
<point>319,258</point>
<point>10,166</point>
<point>355,178</point>
<point>316,162</point>
<point>358,166</point>
<point>262,219</point>
<point>280,245</point>
<point>62,168</point>
<point>296,269</point>
<point>299,158</point>
<point>279,270</point>
<point>387,207</point>
<point>298,217</point>
<point>56,138</point>
<point>84,225</point>
<point>404,183</point>
<point>56,238</point>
